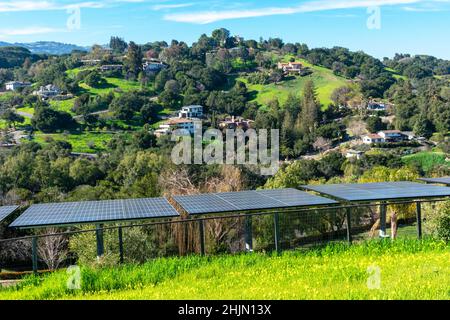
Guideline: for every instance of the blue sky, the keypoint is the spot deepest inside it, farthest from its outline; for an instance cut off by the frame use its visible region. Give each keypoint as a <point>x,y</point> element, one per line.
<point>406,26</point>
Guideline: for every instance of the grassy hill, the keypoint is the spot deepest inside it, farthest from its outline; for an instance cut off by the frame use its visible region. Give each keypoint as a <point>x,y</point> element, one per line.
<point>426,160</point>
<point>324,79</point>
<point>410,269</point>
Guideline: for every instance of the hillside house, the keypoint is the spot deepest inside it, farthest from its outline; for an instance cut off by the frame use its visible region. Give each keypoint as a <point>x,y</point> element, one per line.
<point>194,111</point>
<point>48,91</point>
<point>372,138</point>
<point>290,67</point>
<point>91,62</point>
<point>176,123</point>
<point>354,154</point>
<point>16,85</point>
<point>111,67</point>
<point>234,123</point>
<point>387,136</point>
<point>392,136</point>
<point>150,67</point>
<point>376,106</point>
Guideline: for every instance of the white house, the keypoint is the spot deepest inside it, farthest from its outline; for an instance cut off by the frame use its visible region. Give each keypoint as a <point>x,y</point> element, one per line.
<point>15,85</point>
<point>173,124</point>
<point>372,138</point>
<point>47,91</point>
<point>354,154</point>
<point>195,111</point>
<point>392,135</point>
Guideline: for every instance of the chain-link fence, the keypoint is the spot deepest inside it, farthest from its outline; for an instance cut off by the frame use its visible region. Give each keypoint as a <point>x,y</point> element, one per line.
<point>53,248</point>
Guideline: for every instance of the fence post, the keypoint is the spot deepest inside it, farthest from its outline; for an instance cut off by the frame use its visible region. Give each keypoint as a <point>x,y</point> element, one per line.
<point>201,228</point>
<point>276,223</point>
<point>349,225</point>
<point>419,220</point>
<point>100,244</point>
<point>248,233</point>
<point>383,220</point>
<point>34,255</point>
<point>120,245</point>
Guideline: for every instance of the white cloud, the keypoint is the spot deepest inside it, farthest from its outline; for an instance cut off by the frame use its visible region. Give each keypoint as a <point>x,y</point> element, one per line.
<point>27,31</point>
<point>25,6</point>
<point>157,7</point>
<point>43,5</point>
<point>313,6</point>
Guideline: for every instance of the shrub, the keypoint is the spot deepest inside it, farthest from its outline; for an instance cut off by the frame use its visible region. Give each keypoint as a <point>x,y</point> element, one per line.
<point>438,222</point>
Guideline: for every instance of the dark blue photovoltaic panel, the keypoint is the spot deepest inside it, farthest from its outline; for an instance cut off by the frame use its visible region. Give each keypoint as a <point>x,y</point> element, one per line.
<point>248,200</point>
<point>6,211</point>
<point>380,191</point>
<point>443,180</point>
<point>70,213</point>
<point>204,203</point>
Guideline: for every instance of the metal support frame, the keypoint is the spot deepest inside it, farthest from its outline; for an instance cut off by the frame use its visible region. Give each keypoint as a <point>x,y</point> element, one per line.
<point>34,254</point>
<point>100,243</point>
<point>383,210</point>
<point>248,233</point>
<point>419,220</point>
<point>276,224</point>
<point>201,228</point>
<point>349,225</point>
<point>120,244</point>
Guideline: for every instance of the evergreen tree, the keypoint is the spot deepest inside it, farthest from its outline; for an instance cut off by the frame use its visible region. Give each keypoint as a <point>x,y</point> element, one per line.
<point>133,61</point>
<point>310,109</point>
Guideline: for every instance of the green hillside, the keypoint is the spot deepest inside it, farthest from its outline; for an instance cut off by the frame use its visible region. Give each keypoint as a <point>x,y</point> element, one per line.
<point>324,80</point>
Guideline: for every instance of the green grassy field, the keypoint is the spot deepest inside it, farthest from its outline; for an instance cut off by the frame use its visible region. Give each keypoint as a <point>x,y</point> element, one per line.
<point>324,80</point>
<point>426,160</point>
<point>408,269</point>
<point>29,110</point>
<point>111,85</point>
<point>85,142</point>
<point>64,105</point>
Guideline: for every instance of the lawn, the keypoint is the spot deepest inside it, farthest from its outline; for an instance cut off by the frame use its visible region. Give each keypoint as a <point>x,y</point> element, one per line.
<point>324,79</point>
<point>64,105</point>
<point>111,83</point>
<point>426,160</point>
<point>85,142</point>
<point>29,110</point>
<point>407,269</point>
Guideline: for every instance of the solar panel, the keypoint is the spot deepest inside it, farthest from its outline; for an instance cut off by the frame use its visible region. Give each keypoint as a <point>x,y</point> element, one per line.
<point>380,191</point>
<point>248,200</point>
<point>70,213</point>
<point>443,180</point>
<point>5,211</point>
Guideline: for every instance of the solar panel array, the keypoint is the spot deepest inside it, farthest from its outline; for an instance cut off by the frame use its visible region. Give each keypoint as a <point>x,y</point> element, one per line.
<point>69,213</point>
<point>248,200</point>
<point>5,211</point>
<point>443,180</point>
<point>380,191</point>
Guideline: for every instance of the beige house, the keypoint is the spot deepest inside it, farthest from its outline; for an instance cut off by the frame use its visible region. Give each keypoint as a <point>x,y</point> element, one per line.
<point>290,67</point>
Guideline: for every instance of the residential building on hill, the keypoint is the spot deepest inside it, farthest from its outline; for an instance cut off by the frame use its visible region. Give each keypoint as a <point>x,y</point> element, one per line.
<point>194,111</point>
<point>290,67</point>
<point>15,85</point>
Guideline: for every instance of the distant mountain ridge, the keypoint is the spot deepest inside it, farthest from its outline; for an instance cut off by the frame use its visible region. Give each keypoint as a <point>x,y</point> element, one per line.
<point>46,47</point>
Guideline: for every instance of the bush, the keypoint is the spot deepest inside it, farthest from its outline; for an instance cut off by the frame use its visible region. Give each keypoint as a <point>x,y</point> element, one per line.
<point>140,244</point>
<point>438,222</point>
